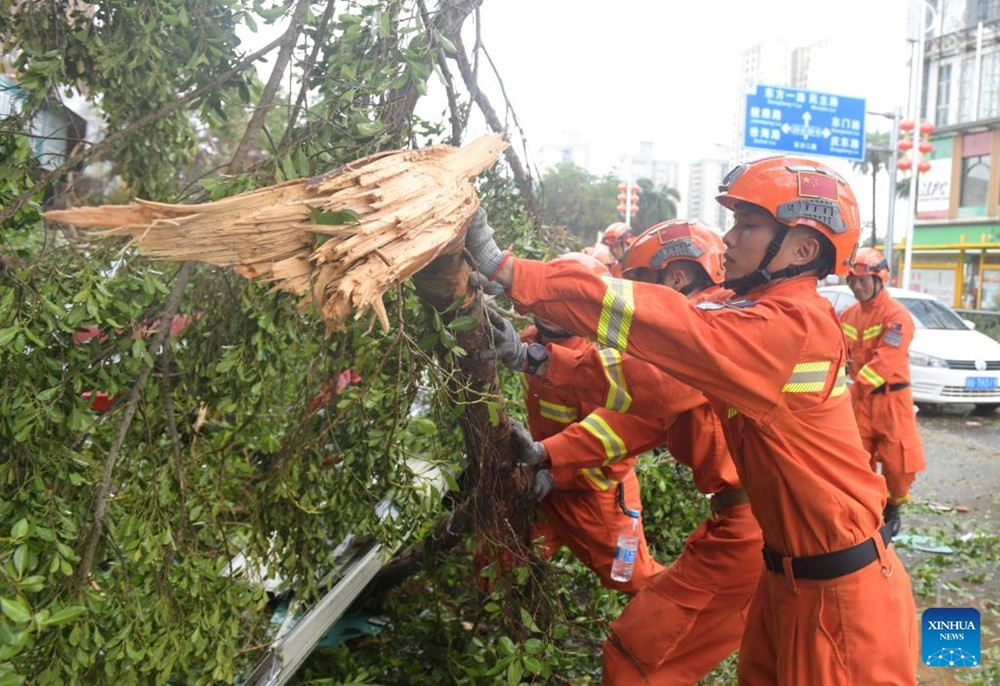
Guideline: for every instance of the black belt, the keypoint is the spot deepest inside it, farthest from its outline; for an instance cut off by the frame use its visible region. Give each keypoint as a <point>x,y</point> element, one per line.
<point>891,387</point>
<point>829,565</point>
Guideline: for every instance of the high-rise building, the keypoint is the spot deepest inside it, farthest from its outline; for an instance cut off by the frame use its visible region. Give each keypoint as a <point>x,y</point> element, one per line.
<point>704,177</point>
<point>661,172</point>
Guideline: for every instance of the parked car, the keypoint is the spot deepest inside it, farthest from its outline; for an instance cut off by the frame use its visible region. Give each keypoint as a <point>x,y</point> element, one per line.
<point>949,362</point>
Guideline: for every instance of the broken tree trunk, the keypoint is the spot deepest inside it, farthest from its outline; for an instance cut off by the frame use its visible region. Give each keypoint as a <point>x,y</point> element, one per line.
<point>340,240</point>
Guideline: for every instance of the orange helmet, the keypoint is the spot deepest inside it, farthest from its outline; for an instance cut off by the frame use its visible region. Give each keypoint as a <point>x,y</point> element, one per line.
<point>677,239</point>
<point>616,233</point>
<point>589,261</point>
<point>870,261</point>
<point>799,192</point>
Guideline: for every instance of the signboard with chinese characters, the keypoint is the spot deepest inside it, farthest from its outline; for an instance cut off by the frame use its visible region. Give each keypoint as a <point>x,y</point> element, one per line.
<point>934,190</point>
<point>804,122</point>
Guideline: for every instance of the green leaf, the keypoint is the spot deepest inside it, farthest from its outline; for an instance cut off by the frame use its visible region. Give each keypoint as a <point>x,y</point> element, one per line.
<point>7,335</point>
<point>20,559</point>
<point>15,609</point>
<point>533,646</point>
<point>333,218</point>
<point>450,480</point>
<point>507,646</point>
<point>465,323</point>
<point>514,672</point>
<point>65,615</point>
<point>532,664</point>
<point>20,529</point>
<point>369,128</point>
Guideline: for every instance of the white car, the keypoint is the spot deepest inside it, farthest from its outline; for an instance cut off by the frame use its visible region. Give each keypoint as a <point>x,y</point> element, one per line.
<point>949,363</point>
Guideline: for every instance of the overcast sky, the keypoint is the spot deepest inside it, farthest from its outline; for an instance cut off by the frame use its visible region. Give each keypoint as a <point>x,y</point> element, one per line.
<point>617,73</point>
<point>669,72</point>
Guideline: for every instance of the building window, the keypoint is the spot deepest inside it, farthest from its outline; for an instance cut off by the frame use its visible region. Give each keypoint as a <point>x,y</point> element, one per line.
<point>975,179</point>
<point>965,95</point>
<point>943,94</point>
<point>989,86</point>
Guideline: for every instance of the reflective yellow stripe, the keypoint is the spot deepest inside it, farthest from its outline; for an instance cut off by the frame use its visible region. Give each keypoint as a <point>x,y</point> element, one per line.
<point>557,413</point>
<point>807,377</point>
<point>731,412</point>
<point>840,384</point>
<point>871,376</point>
<point>849,331</point>
<point>617,309</point>
<point>614,446</point>
<point>597,477</point>
<point>872,332</point>
<point>618,398</point>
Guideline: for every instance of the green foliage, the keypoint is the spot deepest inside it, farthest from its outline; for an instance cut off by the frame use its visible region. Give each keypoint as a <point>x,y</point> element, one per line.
<point>586,204</point>
<point>578,200</point>
<point>446,626</point>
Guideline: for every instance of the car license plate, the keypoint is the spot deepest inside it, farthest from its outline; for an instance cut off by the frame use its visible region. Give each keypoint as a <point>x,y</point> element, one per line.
<point>980,382</point>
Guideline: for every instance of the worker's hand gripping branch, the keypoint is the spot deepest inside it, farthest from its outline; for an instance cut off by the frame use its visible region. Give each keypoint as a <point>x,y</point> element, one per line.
<point>532,456</point>
<point>507,345</point>
<point>481,246</point>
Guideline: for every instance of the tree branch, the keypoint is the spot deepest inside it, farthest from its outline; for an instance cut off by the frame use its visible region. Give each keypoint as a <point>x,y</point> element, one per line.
<point>293,116</point>
<point>115,137</point>
<point>521,178</point>
<point>264,106</point>
<point>159,339</point>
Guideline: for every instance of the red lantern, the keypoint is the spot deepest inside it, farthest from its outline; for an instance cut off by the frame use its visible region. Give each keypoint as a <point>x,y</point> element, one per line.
<point>925,147</point>
<point>905,144</point>
<point>926,128</point>
<point>621,198</point>
<point>906,125</point>
<point>621,187</point>
<point>635,210</point>
<point>904,164</point>
<point>924,166</point>
<point>621,209</point>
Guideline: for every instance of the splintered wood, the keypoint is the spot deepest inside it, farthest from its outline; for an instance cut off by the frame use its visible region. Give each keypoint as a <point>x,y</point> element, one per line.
<point>412,206</point>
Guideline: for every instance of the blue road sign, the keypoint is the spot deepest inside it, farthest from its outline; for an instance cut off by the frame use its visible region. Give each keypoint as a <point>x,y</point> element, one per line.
<point>799,121</point>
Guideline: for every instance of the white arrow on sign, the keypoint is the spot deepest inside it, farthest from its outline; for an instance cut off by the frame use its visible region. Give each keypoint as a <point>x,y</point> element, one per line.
<point>806,118</point>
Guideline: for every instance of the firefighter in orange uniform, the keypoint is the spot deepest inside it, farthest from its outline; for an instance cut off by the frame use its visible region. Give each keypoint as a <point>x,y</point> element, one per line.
<point>878,331</point>
<point>590,465</point>
<point>834,605</point>
<point>691,616</point>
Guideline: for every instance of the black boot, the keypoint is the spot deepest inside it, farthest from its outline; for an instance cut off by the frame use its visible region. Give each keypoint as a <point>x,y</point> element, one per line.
<point>891,517</point>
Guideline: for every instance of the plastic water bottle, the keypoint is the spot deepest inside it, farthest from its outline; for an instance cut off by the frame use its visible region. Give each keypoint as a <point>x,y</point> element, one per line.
<point>625,551</point>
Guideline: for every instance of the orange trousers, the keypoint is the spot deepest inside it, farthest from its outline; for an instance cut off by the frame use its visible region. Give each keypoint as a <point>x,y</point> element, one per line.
<point>889,433</point>
<point>803,632</point>
<point>690,616</point>
<point>892,456</point>
<point>588,522</point>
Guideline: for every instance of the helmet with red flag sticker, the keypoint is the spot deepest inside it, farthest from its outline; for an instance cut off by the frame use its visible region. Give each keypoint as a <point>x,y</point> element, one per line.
<point>799,192</point>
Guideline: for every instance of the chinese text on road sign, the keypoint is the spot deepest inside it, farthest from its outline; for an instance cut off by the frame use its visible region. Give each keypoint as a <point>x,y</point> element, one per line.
<point>798,121</point>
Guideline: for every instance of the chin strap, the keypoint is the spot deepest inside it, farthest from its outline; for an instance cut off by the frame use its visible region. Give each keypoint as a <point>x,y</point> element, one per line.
<point>744,284</point>
<point>687,290</point>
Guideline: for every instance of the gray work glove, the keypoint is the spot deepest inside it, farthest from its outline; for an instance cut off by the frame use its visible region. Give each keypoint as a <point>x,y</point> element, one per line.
<point>542,485</point>
<point>507,345</point>
<point>529,451</point>
<point>480,244</point>
<point>477,281</point>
